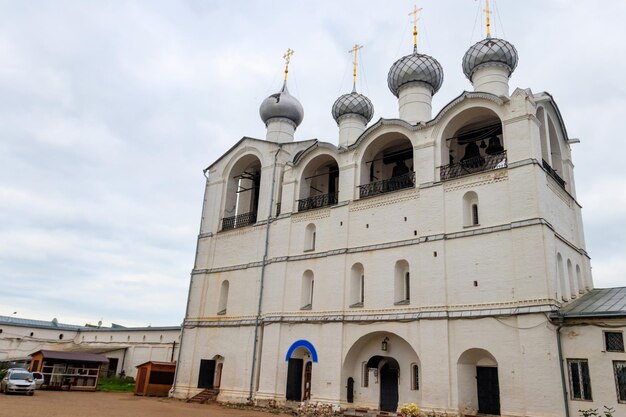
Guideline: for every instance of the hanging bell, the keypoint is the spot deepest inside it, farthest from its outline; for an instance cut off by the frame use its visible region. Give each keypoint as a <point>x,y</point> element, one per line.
<point>483,145</point>
<point>494,146</point>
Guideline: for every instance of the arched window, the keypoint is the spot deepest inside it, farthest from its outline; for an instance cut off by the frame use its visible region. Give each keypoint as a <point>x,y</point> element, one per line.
<point>402,281</point>
<point>309,237</point>
<point>357,285</point>
<point>573,284</point>
<point>581,282</point>
<point>306,299</point>
<point>563,282</point>
<point>223,301</point>
<point>415,377</point>
<point>470,209</point>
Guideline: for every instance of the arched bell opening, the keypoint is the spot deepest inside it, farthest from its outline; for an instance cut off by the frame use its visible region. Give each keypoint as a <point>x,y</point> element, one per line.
<point>319,185</point>
<point>474,142</point>
<point>478,383</point>
<point>387,165</point>
<point>242,193</point>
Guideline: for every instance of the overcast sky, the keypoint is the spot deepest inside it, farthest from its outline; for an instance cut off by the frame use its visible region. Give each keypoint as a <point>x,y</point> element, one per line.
<point>109,111</point>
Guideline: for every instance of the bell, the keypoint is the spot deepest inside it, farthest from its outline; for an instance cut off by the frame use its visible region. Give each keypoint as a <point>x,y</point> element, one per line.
<point>472,158</point>
<point>483,145</point>
<point>494,146</point>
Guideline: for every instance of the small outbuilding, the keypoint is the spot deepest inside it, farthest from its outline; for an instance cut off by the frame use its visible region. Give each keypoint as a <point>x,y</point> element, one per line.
<point>155,379</point>
<point>76,371</point>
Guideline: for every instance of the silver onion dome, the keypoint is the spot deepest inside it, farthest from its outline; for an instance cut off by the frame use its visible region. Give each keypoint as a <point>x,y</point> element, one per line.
<point>415,67</point>
<point>353,103</point>
<point>489,51</point>
<point>282,104</point>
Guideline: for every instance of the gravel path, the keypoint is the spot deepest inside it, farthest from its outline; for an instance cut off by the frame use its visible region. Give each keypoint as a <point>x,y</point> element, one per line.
<point>105,404</point>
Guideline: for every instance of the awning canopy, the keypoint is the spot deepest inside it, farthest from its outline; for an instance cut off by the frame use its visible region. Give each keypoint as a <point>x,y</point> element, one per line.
<point>72,356</point>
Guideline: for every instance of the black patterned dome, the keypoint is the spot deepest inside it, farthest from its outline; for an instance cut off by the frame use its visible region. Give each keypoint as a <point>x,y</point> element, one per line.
<point>282,104</point>
<point>415,67</point>
<point>489,51</point>
<point>353,103</point>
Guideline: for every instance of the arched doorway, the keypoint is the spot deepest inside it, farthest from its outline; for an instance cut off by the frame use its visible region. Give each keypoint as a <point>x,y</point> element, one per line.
<point>388,371</point>
<point>300,358</point>
<point>379,370</point>
<point>478,383</point>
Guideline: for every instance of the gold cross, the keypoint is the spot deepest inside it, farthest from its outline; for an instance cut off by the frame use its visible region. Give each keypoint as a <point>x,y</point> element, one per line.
<point>487,13</point>
<point>354,50</point>
<point>287,58</point>
<point>415,13</point>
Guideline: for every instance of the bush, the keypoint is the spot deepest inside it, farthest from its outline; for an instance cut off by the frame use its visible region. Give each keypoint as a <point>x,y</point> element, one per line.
<point>116,384</point>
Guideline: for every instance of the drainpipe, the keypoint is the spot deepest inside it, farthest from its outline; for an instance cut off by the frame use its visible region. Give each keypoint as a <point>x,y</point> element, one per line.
<point>563,383</point>
<point>257,320</point>
<point>182,327</point>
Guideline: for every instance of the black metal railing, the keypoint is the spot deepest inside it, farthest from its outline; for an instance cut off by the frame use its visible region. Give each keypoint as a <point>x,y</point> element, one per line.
<point>240,220</point>
<point>473,165</point>
<point>317,201</point>
<point>385,186</point>
<point>553,173</point>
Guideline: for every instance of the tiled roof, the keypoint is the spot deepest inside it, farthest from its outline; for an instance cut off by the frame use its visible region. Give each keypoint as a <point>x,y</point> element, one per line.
<point>599,302</point>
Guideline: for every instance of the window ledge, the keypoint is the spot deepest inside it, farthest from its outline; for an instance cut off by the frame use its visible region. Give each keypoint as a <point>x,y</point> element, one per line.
<point>471,225</point>
<point>306,307</point>
<point>221,312</point>
<point>356,305</point>
<point>402,303</point>
<point>309,250</point>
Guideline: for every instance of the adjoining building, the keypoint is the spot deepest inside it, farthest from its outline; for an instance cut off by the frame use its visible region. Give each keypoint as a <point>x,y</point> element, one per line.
<point>124,347</point>
<point>423,259</point>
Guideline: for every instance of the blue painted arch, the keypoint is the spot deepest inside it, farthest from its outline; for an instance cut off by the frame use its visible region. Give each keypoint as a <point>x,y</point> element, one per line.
<point>302,343</point>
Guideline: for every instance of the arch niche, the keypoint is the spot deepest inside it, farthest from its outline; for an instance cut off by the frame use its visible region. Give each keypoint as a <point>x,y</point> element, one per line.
<point>472,141</point>
<point>380,364</point>
<point>478,384</point>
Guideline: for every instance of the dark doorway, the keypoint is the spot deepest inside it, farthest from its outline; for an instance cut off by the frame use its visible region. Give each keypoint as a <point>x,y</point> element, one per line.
<point>307,381</point>
<point>294,379</point>
<point>350,388</point>
<point>207,373</point>
<point>112,367</point>
<point>488,390</point>
<point>389,386</point>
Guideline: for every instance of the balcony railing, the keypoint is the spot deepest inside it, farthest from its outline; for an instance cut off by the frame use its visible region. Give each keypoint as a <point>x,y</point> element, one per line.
<point>240,220</point>
<point>553,173</point>
<point>385,186</point>
<point>317,201</point>
<point>473,165</point>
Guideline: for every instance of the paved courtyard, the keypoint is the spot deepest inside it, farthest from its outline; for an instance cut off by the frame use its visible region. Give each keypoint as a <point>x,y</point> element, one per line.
<point>103,404</point>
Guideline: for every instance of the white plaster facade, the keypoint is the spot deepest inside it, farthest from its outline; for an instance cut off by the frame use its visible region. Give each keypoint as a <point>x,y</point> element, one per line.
<point>129,346</point>
<point>487,255</point>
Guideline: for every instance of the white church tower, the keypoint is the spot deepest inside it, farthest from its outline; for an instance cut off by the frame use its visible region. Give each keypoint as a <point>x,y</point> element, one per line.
<point>416,261</point>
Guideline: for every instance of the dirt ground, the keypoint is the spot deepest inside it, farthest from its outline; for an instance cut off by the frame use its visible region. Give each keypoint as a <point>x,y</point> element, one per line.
<point>105,404</point>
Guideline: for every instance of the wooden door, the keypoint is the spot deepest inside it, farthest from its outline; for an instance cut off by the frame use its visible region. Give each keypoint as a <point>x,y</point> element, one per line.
<point>141,381</point>
<point>218,375</point>
<point>488,390</point>
<point>307,381</point>
<point>294,379</point>
<point>388,388</point>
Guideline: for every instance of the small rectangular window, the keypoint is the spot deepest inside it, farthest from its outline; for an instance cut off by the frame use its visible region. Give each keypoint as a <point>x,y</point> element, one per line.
<point>579,380</point>
<point>614,341</point>
<point>619,368</point>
